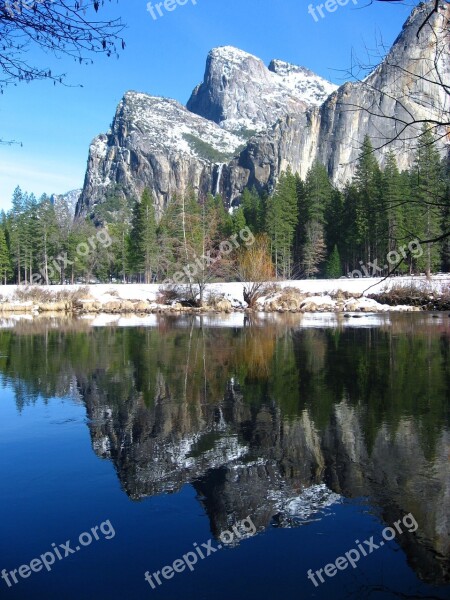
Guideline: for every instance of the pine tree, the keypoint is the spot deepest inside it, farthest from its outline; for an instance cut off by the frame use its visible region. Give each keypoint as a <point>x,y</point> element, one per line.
<point>318,194</point>
<point>47,241</point>
<point>5,258</point>
<point>238,221</point>
<point>120,230</point>
<point>395,198</point>
<point>252,206</point>
<point>299,236</point>
<point>281,222</point>
<point>370,215</point>
<point>428,188</point>
<point>334,220</point>
<point>314,250</point>
<point>318,191</point>
<point>350,239</point>
<point>143,237</point>
<point>333,269</point>
<point>16,232</point>
<point>392,196</point>
<point>30,236</point>
<point>446,215</point>
<point>223,221</point>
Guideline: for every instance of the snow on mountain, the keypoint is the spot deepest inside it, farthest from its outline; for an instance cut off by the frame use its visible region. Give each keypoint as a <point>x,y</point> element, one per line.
<point>311,88</point>
<point>153,119</point>
<point>69,198</point>
<point>242,95</point>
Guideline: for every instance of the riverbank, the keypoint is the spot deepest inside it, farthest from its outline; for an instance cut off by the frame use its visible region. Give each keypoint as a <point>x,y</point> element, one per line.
<point>400,294</point>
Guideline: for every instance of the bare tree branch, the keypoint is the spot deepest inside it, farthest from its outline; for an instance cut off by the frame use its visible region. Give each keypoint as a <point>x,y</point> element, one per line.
<point>57,27</point>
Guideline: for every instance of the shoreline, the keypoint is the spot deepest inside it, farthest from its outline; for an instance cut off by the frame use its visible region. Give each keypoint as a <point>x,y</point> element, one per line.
<point>340,296</point>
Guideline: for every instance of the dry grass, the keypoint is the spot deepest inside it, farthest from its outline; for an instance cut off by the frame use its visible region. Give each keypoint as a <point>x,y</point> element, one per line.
<point>213,298</point>
<point>430,297</point>
<point>43,295</point>
<point>170,293</point>
<point>113,292</point>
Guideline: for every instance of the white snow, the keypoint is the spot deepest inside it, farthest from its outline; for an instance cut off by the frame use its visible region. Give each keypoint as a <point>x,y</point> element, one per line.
<point>155,118</point>
<point>107,291</point>
<point>312,88</point>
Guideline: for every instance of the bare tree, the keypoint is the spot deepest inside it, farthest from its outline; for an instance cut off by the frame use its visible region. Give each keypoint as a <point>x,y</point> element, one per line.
<point>63,28</point>
<point>254,267</point>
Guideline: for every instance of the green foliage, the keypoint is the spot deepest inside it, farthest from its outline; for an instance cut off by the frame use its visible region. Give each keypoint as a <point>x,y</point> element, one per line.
<point>333,269</point>
<point>281,222</point>
<point>317,194</point>
<point>5,258</point>
<point>142,240</point>
<point>205,150</point>
<point>428,192</point>
<point>253,209</point>
<point>239,221</point>
<point>370,215</point>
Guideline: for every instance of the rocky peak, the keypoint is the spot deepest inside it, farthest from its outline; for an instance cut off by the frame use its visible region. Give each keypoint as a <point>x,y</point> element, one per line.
<point>156,143</point>
<point>241,94</point>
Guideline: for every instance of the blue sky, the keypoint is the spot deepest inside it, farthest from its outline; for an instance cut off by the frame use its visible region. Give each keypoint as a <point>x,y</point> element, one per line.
<point>166,57</point>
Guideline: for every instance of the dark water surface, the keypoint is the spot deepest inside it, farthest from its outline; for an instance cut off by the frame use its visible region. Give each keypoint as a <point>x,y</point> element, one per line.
<point>321,432</point>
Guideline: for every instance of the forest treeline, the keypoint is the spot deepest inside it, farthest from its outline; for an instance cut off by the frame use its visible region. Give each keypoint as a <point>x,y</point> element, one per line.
<point>309,228</point>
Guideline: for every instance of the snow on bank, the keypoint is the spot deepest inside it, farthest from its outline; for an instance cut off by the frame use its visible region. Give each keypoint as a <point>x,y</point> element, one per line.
<point>305,296</point>
<point>106,292</point>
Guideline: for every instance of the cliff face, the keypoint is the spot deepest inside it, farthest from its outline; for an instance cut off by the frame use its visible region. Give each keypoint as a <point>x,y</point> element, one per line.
<point>155,143</point>
<point>408,85</point>
<point>245,122</point>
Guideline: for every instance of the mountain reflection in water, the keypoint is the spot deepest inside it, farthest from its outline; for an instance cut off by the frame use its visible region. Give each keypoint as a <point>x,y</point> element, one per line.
<point>270,420</point>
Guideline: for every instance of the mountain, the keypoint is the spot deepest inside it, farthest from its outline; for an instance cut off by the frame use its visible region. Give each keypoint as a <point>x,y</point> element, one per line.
<point>69,198</point>
<point>241,94</point>
<point>246,122</point>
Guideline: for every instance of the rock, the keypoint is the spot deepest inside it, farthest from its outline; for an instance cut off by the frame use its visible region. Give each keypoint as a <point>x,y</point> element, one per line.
<point>364,305</point>
<point>67,201</point>
<point>126,306</point>
<point>89,306</point>
<point>156,143</point>
<point>112,306</point>
<point>141,306</point>
<point>318,303</point>
<point>288,299</point>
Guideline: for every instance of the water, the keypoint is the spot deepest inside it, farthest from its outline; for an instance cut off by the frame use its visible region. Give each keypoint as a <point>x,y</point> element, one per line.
<point>322,431</point>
